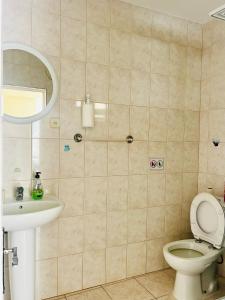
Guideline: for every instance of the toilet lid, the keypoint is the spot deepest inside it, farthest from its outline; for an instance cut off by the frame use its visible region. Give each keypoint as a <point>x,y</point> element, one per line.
<point>207,219</point>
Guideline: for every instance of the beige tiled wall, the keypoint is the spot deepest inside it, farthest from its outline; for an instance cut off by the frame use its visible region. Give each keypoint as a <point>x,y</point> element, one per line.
<point>212,115</point>
<point>143,72</point>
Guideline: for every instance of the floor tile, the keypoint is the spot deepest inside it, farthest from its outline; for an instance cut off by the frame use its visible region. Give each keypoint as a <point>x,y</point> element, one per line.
<point>127,290</point>
<point>157,283</point>
<point>93,294</point>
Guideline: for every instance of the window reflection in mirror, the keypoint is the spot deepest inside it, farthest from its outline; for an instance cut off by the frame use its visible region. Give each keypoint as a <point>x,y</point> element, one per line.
<point>27,84</point>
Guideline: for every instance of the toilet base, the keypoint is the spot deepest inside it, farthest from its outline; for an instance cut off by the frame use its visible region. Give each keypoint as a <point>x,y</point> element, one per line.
<point>187,287</point>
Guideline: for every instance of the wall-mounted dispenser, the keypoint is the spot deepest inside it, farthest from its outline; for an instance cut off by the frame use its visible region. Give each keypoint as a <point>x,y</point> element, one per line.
<point>88,113</point>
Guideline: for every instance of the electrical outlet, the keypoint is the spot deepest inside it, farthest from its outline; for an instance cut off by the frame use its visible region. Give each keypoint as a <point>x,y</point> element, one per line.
<point>156,163</point>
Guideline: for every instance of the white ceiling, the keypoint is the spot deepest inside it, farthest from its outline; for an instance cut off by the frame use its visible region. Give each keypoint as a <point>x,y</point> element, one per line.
<point>193,10</point>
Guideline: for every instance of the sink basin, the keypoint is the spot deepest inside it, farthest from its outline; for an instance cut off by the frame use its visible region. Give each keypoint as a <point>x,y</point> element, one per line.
<point>30,214</point>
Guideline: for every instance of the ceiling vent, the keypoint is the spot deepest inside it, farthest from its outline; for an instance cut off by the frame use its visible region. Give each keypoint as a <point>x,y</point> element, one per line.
<point>218,13</point>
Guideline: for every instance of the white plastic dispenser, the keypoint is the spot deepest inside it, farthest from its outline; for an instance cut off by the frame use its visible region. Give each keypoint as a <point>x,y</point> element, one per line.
<point>88,113</point>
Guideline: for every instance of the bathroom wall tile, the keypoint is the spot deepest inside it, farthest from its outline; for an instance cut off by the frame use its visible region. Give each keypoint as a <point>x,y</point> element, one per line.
<point>97,44</point>
<point>117,158</point>
<point>116,263</point>
<point>117,193</point>
<point>138,190</point>
<point>137,220</point>
<point>192,94</point>
<point>72,161</point>
<point>195,35</point>
<point>46,272</point>
<point>100,129</point>
<point>194,57</point>
<point>51,188</point>
<point>72,79</point>
<point>136,259</point>
<point>46,32</point>
<point>190,188</point>
<point>45,157</point>
<point>179,31</point>
<point>161,26</point>
<point>43,129</point>
<point>142,19</point>
<point>205,94</point>
<point>127,289</point>
<point>155,223</point>
<point>140,88</point>
<point>70,235</point>
<point>120,44</point>
<point>49,6</point>
<point>98,12</point>
<point>75,9</point>
<point>216,163</point>
<point>160,57</point>
<point>203,157</point>
<point>155,259</point>
<point>121,15</point>
<point>116,228</point>
<point>95,159</point>
<point>172,219</point>
<point>16,25</point>
<point>157,149</point>
<point>141,53</point>
<point>118,121</point>
<point>70,119</point>
<point>73,39</point>
<point>11,130</point>
<point>119,90</point>
<point>95,232</point>
<point>138,158</point>
<point>158,124</point>
<point>95,195</point>
<point>216,124</point>
<point>178,60</point>
<point>173,188</point>
<point>139,120</point>
<point>17,159</point>
<point>47,241</point>
<point>176,92</point>
<point>175,125</point>
<point>97,82</point>
<point>159,96</point>
<point>191,153</point>
<point>156,189</point>
<point>93,268</point>
<point>174,156</point>
<point>69,273</point>
<point>216,92</point>
<point>71,192</point>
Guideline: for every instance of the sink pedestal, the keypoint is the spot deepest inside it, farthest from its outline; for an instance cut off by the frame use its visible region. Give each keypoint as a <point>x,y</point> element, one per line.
<point>22,276</point>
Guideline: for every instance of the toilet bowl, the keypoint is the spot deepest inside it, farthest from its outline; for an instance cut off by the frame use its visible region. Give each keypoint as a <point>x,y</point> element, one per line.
<point>190,258</point>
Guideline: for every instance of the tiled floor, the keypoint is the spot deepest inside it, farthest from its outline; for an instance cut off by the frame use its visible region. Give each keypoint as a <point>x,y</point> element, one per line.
<point>156,285</point>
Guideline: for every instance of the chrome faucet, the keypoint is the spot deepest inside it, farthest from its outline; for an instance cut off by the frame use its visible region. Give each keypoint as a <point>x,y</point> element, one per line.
<point>19,193</point>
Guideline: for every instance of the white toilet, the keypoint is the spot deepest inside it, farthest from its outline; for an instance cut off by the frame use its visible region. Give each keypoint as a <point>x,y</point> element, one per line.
<point>195,260</point>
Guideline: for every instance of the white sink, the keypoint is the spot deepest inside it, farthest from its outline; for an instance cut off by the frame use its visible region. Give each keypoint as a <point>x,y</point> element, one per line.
<point>24,215</point>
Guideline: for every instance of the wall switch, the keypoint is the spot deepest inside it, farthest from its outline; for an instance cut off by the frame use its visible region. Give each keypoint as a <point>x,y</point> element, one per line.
<point>54,123</point>
<point>156,163</point>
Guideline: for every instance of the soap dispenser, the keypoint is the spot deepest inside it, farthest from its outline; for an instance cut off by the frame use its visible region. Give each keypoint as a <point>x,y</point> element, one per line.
<point>37,190</point>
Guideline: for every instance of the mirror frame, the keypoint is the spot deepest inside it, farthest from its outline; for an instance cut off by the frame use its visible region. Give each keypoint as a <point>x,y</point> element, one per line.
<point>55,86</point>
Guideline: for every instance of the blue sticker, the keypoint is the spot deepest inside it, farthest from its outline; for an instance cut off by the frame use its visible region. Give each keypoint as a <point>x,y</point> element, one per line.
<point>66,148</point>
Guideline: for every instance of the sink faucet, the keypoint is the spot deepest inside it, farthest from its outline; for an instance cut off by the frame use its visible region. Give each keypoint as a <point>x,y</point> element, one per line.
<point>19,193</point>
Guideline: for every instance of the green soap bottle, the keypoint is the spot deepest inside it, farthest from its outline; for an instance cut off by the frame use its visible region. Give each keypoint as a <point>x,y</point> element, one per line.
<point>37,190</point>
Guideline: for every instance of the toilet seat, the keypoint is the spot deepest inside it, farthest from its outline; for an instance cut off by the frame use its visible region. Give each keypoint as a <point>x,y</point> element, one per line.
<point>207,219</point>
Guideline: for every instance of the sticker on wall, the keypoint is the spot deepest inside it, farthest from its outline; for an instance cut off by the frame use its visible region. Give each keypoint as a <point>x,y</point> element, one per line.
<point>156,163</point>
<point>66,148</point>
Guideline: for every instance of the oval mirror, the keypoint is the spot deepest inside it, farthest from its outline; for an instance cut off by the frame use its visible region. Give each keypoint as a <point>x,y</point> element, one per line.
<point>30,86</point>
